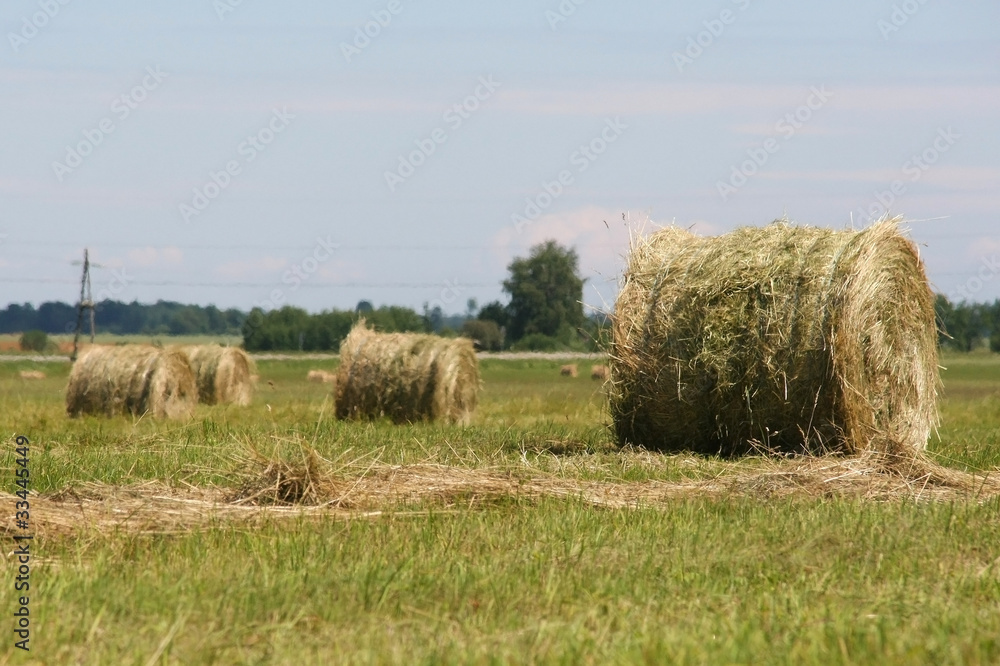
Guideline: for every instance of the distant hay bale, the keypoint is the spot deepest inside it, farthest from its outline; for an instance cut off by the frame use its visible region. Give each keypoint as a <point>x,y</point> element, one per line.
<point>134,379</point>
<point>599,372</point>
<point>782,338</point>
<point>407,377</point>
<point>224,374</point>
<point>569,370</point>
<point>31,374</point>
<point>321,377</point>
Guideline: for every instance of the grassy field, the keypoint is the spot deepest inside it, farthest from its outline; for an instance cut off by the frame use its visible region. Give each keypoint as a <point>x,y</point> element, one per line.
<point>505,542</point>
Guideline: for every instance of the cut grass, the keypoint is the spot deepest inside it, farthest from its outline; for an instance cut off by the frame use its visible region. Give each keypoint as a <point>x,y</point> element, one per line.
<point>745,577</point>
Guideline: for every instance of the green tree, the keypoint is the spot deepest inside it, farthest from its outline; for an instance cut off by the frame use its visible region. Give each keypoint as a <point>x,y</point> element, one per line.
<point>34,341</point>
<point>546,293</point>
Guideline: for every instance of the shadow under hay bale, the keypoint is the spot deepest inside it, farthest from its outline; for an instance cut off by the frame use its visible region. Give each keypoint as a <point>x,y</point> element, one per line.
<point>131,379</point>
<point>782,339</point>
<point>225,375</point>
<point>407,377</point>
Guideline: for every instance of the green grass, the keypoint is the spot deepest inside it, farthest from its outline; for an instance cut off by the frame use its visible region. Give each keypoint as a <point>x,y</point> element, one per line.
<point>737,580</point>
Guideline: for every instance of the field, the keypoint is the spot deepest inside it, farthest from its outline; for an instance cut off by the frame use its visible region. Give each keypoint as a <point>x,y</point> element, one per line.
<point>525,538</point>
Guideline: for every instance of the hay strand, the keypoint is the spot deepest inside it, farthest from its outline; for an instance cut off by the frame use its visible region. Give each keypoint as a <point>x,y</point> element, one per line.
<point>133,379</point>
<point>406,377</point>
<point>782,338</point>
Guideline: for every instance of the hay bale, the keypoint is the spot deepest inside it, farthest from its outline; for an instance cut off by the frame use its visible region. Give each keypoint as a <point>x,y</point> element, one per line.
<point>134,379</point>
<point>569,370</point>
<point>225,375</point>
<point>782,338</point>
<point>31,374</point>
<point>406,376</point>
<point>321,377</point>
<point>599,372</point>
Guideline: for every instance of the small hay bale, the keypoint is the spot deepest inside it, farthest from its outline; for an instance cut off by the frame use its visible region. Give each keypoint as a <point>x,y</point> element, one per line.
<point>225,375</point>
<point>133,379</point>
<point>31,374</point>
<point>569,370</point>
<point>599,372</point>
<point>782,338</point>
<point>407,377</point>
<point>321,377</point>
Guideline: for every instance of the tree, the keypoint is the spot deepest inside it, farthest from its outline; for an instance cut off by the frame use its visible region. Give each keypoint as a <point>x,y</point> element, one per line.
<point>485,333</point>
<point>495,312</point>
<point>546,293</point>
<point>34,340</point>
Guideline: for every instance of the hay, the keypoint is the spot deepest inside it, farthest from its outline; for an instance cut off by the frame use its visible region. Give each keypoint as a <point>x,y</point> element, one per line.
<point>274,489</point>
<point>406,376</point>
<point>31,374</point>
<point>321,377</point>
<point>225,375</point>
<point>599,372</point>
<point>133,379</point>
<point>782,338</point>
<point>569,370</point>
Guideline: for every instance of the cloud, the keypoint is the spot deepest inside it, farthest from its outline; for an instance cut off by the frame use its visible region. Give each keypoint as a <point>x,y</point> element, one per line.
<point>601,237</point>
<point>251,268</point>
<point>148,257</point>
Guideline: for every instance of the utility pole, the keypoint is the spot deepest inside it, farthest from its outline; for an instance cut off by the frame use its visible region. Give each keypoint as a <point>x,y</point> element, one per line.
<point>86,303</point>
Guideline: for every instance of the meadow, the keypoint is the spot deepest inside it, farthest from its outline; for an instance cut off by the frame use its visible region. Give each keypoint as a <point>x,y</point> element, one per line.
<point>527,537</point>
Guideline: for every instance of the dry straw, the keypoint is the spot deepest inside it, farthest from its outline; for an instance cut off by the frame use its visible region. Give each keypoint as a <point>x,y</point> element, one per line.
<point>134,379</point>
<point>406,376</point>
<point>782,338</point>
<point>224,374</point>
<point>321,377</point>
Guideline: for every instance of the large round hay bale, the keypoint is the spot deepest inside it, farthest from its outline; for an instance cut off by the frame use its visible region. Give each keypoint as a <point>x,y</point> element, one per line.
<point>224,374</point>
<point>782,338</point>
<point>407,377</point>
<point>134,379</point>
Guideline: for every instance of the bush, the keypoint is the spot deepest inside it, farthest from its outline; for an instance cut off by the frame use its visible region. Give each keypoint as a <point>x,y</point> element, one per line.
<point>995,342</point>
<point>538,342</point>
<point>35,341</point>
<point>486,334</point>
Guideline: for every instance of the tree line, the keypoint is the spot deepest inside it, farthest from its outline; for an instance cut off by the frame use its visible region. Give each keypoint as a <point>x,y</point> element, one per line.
<point>544,312</point>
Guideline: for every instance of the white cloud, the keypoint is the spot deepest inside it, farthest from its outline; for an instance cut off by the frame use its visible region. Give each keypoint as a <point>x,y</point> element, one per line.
<point>601,237</point>
<point>251,268</point>
<point>148,256</point>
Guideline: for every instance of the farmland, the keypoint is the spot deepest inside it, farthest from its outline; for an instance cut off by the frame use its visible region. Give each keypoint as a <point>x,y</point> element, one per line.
<point>523,538</point>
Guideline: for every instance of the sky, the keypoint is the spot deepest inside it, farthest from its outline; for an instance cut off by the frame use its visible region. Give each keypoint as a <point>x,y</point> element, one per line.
<point>246,153</point>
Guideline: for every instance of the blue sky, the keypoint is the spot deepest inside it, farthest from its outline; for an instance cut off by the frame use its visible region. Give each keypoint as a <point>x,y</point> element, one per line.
<point>581,122</point>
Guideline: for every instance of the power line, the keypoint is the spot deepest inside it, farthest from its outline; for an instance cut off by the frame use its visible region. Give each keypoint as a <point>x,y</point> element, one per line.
<point>262,285</point>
